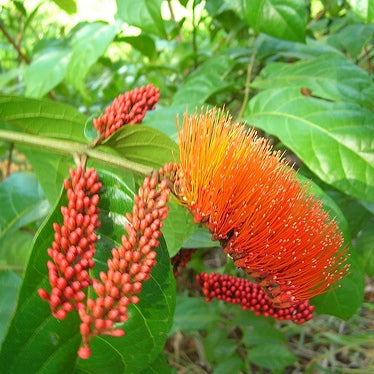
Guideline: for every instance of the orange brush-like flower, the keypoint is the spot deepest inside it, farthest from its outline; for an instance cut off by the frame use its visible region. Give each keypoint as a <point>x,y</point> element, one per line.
<point>249,198</point>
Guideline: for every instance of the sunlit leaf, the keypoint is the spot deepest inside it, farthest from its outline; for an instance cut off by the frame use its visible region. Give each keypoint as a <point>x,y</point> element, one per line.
<point>284,19</point>
<point>335,140</point>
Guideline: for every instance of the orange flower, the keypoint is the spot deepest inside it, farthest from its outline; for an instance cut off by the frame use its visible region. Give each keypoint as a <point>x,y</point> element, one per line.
<point>250,199</point>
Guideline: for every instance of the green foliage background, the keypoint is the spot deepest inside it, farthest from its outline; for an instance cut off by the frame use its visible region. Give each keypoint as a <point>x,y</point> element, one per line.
<point>300,71</point>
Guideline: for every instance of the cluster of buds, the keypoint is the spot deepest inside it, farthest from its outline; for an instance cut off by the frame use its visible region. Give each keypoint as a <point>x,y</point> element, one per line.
<point>128,108</point>
<point>181,259</point>
<point>130,265</point>
<point>73,247</point>
<point>251,297</point>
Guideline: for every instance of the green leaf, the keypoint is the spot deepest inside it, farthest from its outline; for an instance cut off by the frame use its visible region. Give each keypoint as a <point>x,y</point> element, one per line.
<point>178,227</point>
<point>352,38</point>
<point>284,19</point>
<point>330,77</point>
<point>201,238</point>
<point>47,118</point>
<point>160,365</point>
<point>230,365</point>
<point>343,302</point>
<point>335,140</point>
<point>258,335</point>
<point>207,80</point>
<point>365,248</point>
<point>15,250</point>
<point>69,6</point>
<point>273,48</point>
<point>145,14</point>
<point>143,145</point>
<point>271,356</point>
<point>364,9</point>
<point>37,342</point>
<point>22,202</point>
<point>143,43</point>
<point>41,117</point>
<point>46,71</point>
<point>88,44</point>
<point>193,313</point>
<point>9,284</point>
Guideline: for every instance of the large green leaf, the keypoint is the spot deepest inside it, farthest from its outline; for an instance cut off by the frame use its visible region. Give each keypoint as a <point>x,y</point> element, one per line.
<point>335,140</point>
<point>207,80</point>
<point>143,145</point>
<point>330,77</point>
<point>46,71</point>
<point>41,117</point>
<point>284,19</point>
<point>37,342</point>
<point>47,118</point>
<point>22,202</point>
<point>9,283</point>
<point>88,44</point>
<point>145,14</point>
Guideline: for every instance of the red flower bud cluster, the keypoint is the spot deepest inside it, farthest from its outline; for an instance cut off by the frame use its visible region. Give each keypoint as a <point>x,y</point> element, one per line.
<point>130,265</point>
<point>181,259</point>
<point>128,108</point>
<point>251,297</point>
<point>74,244</point>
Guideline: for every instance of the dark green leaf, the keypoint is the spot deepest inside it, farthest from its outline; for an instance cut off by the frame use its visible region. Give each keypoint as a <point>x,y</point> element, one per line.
<point>230,365</point>
<point>46,71</point>
<point>343,302</point>
<point>22,202</point>
<point>207,80</point>
<point>271,356</point>
<point>160,365</point>
<point>143,43</point>
<point>335,140</point>
<point>330,77</point>
<point>365,248</point>
<point>69,6</point>
<point>145,14</point>
<point>193,313</point>
<point>258,335</point>
<point>143,145</point>
<point>88,44</point>
<point>284,19</point>
<point>9,284</point>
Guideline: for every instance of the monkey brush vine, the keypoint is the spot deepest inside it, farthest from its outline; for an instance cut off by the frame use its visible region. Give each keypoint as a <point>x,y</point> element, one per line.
<point>233,184</point>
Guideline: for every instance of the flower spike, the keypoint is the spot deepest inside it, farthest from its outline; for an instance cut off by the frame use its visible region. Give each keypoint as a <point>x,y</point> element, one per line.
<point>128,108</point>
<point>250,199</point>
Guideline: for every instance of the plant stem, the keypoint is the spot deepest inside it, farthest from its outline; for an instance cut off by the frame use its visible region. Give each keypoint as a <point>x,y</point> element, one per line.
<point>74,148</point>
<point>21,55</point>
<point>247,83</point>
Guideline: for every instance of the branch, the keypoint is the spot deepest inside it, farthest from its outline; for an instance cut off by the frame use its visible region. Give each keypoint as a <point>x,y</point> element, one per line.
<point>65,147</point>
<point>21,55</point>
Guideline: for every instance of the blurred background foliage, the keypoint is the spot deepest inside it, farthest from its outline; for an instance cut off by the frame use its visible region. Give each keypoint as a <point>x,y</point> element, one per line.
<point>298,70</point>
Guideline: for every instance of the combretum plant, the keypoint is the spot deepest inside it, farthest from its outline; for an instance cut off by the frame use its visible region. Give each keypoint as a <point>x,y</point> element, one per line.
<point>100,262</point>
